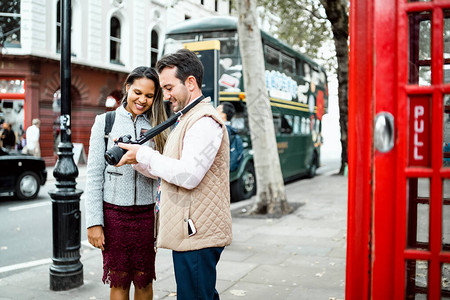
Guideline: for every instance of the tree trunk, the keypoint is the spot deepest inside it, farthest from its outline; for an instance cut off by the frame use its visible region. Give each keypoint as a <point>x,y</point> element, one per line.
<point>271,195</point>
<point>336,11</point>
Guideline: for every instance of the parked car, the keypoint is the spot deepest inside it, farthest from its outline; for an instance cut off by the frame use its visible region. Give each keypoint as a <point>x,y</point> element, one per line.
<point>21,174</point>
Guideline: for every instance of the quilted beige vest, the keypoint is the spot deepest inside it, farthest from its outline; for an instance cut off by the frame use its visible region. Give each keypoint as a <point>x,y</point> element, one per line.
<point>208,204</point>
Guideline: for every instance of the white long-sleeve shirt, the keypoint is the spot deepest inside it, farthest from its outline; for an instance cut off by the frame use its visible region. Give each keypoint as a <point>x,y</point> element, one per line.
<point>32,137</point>
<point>200,146</point>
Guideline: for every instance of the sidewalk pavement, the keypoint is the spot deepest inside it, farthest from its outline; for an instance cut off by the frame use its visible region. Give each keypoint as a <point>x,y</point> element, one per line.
<point>298,256</point>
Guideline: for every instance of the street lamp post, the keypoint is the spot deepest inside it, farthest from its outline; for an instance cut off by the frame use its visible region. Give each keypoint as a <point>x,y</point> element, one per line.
<point>66,271</point>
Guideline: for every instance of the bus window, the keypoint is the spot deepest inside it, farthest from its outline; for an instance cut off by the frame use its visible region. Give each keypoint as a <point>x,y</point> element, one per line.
<point>176,41</point>
<point>228,40</point>
<point>296,127</point>
<point>299,68</point>
<point>288,64</point>
<point>286,124</point>
<point>305,126</point>
<point>272,57</point>
<point>307,71</point>
<point>308,126</point>
<point>277,123</point>
<point>315,77</point>
<point>323,78</point>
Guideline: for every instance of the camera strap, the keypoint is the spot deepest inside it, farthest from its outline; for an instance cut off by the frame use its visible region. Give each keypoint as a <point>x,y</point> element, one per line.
<point>167,123</point>
<point>187,108</point>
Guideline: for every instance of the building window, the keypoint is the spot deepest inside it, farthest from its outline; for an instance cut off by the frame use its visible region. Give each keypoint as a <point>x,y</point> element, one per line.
<point>115,41</point>
<point>216,5</point>
<point>58,27</point>
<point>202,2</point>
<point>154,48</point>
<point>10,23</point>
<point>58,30</point>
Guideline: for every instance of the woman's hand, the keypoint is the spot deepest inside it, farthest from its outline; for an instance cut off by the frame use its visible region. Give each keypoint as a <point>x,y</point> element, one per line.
<point>96,236</point>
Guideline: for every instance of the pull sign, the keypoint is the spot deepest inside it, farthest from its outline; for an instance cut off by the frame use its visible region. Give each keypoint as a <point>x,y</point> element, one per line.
<point>384,132</point>
<point>419,132</point>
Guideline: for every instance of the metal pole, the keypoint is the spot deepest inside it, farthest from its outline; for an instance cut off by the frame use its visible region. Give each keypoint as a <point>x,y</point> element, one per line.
<point>66,272</point>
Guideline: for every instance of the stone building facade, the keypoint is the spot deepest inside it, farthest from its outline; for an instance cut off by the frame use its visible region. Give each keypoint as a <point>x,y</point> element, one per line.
<point>109,39</point>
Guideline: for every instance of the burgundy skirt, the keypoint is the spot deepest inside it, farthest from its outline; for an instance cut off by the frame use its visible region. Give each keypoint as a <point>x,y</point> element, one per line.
<point>129,254</point>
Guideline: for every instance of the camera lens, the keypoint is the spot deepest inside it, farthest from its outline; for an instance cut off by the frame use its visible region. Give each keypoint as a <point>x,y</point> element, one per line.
<point>114,155</point>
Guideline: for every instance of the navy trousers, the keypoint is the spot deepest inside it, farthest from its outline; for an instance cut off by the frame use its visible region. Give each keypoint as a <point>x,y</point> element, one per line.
<point>195,273</point>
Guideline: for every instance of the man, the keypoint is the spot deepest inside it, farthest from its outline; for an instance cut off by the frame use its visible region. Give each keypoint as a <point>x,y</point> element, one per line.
<point>8,136</point>
<point>32,138</point>
<point>226,111</point>
<point>194,207</point>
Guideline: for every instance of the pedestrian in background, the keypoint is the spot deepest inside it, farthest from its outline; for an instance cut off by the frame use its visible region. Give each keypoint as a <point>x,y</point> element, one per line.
<point>194,200</point>
<point>226,111</point>
<point>33,133</point>
<point>8,136</point>
<point>120,201</point>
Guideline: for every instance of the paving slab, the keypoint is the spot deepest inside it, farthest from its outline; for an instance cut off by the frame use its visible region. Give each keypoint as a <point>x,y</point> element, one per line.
<point>295,257</point>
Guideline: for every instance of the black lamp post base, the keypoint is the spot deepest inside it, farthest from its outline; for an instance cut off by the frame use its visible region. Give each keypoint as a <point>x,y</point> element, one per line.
<point>62,281</point>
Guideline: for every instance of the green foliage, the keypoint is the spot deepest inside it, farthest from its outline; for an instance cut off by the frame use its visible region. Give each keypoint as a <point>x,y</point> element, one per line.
<point>303,25</point>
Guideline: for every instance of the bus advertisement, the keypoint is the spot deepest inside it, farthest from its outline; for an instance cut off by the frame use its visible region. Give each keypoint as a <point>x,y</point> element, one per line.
<point>297,89</point>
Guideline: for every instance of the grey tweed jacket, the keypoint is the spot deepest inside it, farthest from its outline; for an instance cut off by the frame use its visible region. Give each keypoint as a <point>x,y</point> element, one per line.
<point>121,186</point>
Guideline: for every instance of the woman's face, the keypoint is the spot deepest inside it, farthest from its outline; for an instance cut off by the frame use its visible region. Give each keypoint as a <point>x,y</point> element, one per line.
<point>140,96</point>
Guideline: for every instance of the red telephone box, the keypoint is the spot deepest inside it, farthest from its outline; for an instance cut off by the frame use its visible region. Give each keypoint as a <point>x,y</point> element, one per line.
<point>399,150</point>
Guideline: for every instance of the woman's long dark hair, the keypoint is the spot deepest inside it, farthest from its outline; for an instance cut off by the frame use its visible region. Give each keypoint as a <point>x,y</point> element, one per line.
<point>157,113</point>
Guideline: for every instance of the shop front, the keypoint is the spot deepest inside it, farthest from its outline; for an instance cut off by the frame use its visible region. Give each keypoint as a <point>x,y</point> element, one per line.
<point>30,88</point>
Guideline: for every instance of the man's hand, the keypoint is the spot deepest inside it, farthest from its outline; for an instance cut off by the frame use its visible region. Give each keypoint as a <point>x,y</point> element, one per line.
<point>130,156</point>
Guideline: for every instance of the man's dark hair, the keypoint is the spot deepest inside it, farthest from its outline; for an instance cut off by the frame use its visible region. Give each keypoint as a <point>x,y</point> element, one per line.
<point>228,109</point>
<point>187,64</point>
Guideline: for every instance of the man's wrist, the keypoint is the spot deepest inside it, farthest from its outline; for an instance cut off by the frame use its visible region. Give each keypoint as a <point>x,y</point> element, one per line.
<point>144,155</point>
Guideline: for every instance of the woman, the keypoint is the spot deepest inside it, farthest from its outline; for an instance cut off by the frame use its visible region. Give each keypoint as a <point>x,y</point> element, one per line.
<point>120,201</point>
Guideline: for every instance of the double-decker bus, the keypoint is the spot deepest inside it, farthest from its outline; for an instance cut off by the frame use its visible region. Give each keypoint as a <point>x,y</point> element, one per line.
<point>298,93</point>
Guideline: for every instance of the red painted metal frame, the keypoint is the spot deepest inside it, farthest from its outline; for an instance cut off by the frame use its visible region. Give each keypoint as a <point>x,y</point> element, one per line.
<point>359,150</point>
<point>378,182</point>
<point>383,201</point>
<point>435,172</point>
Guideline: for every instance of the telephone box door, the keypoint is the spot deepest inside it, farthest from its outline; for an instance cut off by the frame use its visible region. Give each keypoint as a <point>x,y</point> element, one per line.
<point>399,150</point>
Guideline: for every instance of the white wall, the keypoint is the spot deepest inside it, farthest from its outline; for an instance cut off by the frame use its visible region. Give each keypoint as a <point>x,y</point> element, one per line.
<point>90,28</point>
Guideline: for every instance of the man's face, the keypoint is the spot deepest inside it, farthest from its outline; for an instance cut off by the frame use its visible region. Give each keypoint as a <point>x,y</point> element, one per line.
<point>174,90</point>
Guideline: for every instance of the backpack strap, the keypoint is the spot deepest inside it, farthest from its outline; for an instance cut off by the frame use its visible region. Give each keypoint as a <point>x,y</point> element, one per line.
<point>109,122</point>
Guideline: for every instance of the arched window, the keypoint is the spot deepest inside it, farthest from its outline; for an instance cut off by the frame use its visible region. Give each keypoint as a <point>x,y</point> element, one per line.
<point>10,23</point>
<point>115,41</point>
<point>154,48</point>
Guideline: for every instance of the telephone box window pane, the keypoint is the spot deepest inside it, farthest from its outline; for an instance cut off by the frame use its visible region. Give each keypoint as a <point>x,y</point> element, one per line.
<point>446,133</point>
<point>445,282</point>
<point>420,0</point>
<point>420,48</point>
<point>446,215</point>
<point>416,280</point>
<point>418,213</point>
<point>446,43</point>
<point>424,75</point>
